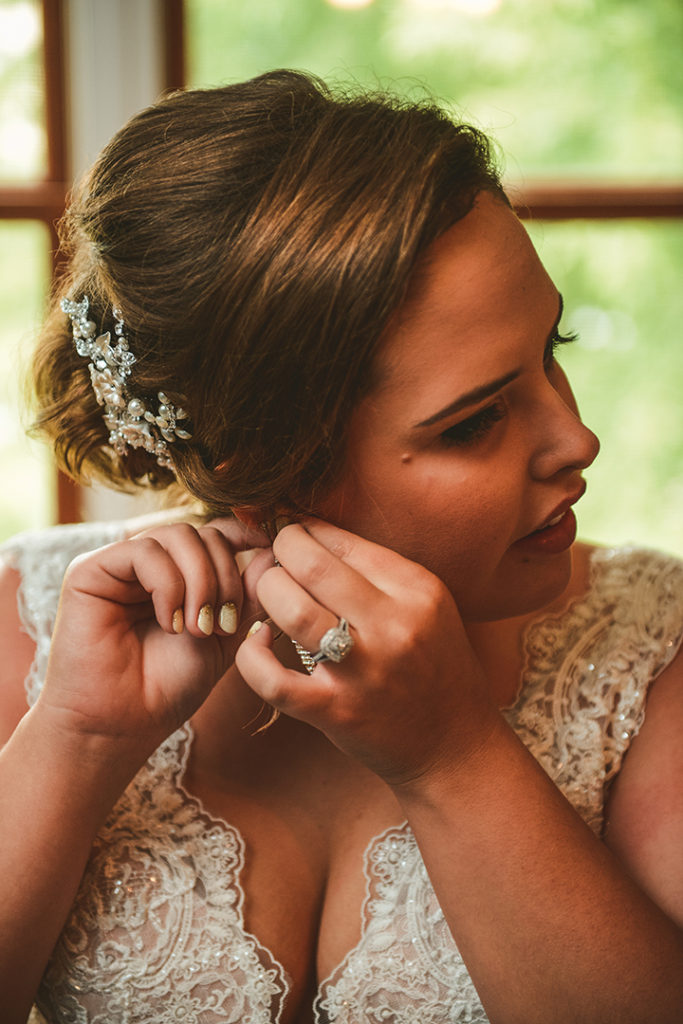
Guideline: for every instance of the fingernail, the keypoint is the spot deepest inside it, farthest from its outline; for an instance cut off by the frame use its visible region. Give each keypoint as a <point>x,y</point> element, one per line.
<point>178,621</point>
<point>227,618</point>
<point>254,628</point>
<point>205,619</point>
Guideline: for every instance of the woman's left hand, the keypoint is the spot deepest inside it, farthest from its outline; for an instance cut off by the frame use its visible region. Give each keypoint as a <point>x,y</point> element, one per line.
<point>409,698</point>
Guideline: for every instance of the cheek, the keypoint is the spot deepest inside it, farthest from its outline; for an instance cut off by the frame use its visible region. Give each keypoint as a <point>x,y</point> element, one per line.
<point>453,523</point>
<point>465,543</point>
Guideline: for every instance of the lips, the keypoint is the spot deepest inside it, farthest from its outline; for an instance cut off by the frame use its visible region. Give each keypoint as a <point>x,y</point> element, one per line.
<point>560,510</point>
<point>557,531</point>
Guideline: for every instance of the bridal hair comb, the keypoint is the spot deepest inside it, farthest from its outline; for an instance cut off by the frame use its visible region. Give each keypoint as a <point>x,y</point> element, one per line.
<point>132,423</point>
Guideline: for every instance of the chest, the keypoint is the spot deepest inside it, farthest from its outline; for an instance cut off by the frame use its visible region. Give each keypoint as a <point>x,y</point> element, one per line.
<point>303,880</point>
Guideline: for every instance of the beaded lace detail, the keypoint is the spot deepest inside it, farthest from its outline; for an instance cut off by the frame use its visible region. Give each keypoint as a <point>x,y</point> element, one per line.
<point>582,701</point>
<point>157,932</point>
<point>406,969</point>
<point>157,926</point>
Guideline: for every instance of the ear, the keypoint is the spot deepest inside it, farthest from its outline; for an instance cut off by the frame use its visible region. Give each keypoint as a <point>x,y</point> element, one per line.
<point>263,519</point>
<point>248,516</point>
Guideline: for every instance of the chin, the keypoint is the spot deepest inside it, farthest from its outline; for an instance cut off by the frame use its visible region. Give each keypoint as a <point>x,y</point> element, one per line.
<point>523,589</point>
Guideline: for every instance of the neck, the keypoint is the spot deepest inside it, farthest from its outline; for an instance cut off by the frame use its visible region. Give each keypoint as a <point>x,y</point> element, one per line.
<point>499,644</point>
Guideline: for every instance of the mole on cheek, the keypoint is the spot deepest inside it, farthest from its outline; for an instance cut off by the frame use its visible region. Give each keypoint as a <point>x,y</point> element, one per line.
<point>406,457</point>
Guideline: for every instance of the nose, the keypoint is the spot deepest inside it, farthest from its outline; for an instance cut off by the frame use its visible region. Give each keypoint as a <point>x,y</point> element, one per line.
<point>564,441</point>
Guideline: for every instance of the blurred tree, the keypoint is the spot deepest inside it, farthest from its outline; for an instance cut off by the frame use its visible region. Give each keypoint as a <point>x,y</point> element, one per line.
<point>580,87</point>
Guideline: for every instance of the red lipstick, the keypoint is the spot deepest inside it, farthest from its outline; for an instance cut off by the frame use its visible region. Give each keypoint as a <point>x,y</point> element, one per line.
<point>558,531</point>
<point>551,540</point>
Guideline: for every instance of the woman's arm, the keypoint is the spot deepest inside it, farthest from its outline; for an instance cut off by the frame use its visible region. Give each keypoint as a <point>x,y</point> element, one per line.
<point>120,678</point>
<point>645,809</point>
<point>55,791</point>
<point>549,922</point>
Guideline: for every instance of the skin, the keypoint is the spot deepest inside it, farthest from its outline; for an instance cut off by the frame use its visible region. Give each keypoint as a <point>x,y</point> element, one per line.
<point>419,547</point>
<point>458,508</point>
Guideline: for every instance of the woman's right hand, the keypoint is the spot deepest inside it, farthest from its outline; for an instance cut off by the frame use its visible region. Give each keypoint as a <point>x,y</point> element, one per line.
<point>140,641</point>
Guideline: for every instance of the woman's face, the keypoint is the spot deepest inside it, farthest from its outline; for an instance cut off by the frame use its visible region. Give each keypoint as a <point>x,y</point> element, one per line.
<point>471,442</point>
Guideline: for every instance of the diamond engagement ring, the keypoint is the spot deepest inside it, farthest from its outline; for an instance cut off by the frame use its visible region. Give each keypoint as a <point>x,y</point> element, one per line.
<point>335,644</point>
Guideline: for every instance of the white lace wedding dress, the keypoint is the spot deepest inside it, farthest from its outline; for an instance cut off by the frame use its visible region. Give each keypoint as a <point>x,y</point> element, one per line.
<point>156,933</point>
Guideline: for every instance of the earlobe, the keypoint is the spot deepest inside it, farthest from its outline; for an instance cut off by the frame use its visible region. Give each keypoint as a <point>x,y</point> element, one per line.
<point>262,519</point>
<point>251,517</point>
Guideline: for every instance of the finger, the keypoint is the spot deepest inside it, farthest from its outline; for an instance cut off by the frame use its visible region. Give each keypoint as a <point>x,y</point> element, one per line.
<point>262,560</point>
<point>240,536</point>
<point>131,574</point>
<point>341,588</point>
<point>186,547</point>
<point>229,591</point>
<point>293,608</point>
<point>294,693</point>
<point>388,570</point>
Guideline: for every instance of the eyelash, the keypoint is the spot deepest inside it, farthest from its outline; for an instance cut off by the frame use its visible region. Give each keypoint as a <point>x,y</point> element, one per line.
<point>554,343</point>
<point>475,428</point>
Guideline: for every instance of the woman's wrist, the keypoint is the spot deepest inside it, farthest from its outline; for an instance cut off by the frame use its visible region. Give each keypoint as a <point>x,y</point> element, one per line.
<point>462,752</point>
<point>107,762</point>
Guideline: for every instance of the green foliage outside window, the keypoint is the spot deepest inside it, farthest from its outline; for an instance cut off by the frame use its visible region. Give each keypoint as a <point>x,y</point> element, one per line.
<point>621,283</point>
<point>569,87</point>
<point>27,498</point>
<point>22,132</point>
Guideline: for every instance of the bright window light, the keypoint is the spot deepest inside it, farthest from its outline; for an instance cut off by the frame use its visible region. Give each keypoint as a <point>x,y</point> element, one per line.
<point>349,5</point>
<point>19,29</point>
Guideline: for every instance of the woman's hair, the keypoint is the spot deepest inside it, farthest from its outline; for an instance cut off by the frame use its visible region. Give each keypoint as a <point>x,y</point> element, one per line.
<point>257,239</point>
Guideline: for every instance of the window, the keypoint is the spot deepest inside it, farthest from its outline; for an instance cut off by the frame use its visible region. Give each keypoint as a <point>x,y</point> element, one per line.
<point>32,177</point>
<point>36,38</point>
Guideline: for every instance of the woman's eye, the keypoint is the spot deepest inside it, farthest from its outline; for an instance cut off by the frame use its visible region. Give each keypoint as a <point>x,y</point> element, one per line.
<point>475,428</point>
<point>553,345</point>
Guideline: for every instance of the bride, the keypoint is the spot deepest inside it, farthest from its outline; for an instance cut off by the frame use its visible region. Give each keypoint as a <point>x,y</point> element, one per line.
<point>363,734</point>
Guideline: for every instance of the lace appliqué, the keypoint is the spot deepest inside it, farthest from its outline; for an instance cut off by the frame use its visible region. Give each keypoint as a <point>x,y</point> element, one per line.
<point>587,673</point>
<point>582,701</point>
<point>156,932</point>
<point>406,968</point>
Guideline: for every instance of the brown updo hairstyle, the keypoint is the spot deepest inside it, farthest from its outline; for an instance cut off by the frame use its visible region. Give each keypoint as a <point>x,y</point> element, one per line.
<point>257,238</point>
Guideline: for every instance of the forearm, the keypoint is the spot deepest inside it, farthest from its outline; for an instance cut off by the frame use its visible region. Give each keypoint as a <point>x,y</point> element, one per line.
<point>549,924</point>
<point>55,792</point>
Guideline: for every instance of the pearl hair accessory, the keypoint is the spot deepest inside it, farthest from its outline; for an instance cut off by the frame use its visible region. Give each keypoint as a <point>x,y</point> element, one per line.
<point>131,423</point>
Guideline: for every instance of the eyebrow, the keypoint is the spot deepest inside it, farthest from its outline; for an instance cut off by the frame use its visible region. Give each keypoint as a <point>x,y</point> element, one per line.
<point>484,390</point>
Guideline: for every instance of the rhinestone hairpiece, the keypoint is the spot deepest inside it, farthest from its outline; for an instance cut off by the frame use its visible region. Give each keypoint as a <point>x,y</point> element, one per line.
<point>131,423</point>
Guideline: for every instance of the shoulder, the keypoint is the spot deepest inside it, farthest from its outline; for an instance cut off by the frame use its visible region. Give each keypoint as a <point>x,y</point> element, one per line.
<point>638,595</point>
<point>624,619</point>
<point>630,574</point>
<point>645,807</point>
<point>45,554</point>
